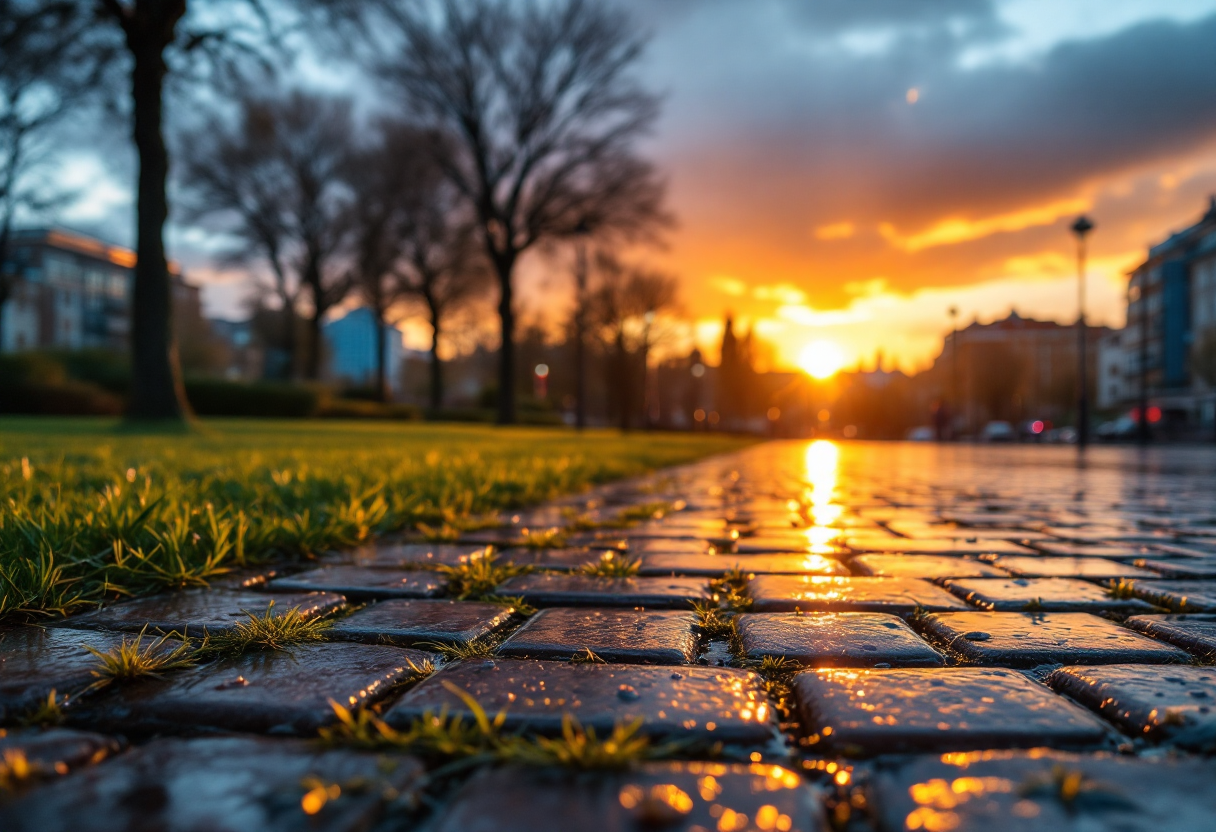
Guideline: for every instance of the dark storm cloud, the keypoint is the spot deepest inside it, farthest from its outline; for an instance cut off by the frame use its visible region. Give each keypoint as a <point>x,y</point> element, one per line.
<point>827,132</point>
<point>828,17</point>
<point>1086,109</point>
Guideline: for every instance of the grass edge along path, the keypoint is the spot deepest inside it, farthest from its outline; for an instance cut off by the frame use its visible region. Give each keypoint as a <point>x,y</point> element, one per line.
<point>91,514</point>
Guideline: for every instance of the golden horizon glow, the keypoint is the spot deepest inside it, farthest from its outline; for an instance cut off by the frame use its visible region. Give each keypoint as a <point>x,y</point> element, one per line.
<point>821,359</point>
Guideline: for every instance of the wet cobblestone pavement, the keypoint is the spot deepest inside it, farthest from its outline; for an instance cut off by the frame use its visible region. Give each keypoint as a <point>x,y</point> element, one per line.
<point>800,636</point>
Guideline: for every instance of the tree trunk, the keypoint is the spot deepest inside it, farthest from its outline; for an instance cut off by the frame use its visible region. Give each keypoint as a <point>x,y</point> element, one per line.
<point>7,281</point>
<point>381,376</point>
<point>506,354</point>
<point>312,279</point>
<point>289,340</point>
<point>312,369</point>
<point>624,384</point>
<point>156,388</point>
<point>436,365</point>
<point>289,311</point>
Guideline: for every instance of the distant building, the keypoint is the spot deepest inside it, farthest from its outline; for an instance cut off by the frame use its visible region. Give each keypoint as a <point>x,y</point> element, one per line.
<point>351,349</point>
<point>1171,305</point>
<point>74,292</point>
<point>1014,369</point>
<point>1115,385</point>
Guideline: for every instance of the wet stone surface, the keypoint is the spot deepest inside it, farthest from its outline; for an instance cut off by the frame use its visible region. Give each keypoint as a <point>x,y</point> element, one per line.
<point>940,546</point>
<point>717,565</point>
<point>588,591</point>
<point>923,566</point>
<point>788,593</point>
<point>860,537</point>
<point>1182,596</point>
<point>1176,705</point>
<point>694,703</point>
<point>1021,792</point>
<point>1042,594</point>
<point>35,661</point>
<point>866,712</point>
<point>272,691</point>
<point>776,543</point>
<point>414,621</point>
<point>219,785</point>
<point>1194,633</point>
<point>638,637</point>
<point>415,555</point>
<point>197,611</point>
<point>1178,567</point>
<point>680,797</point>
<point>56,751</point>
<point>1011,639</point>
<point>362,583</point>
<point>1088,550</point>
<point>669,546</point>
<point>558,560</point>
<point>845,639</point>
<point>1059,567</point>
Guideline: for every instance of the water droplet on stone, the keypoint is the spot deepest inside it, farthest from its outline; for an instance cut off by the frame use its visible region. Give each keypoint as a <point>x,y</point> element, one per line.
<point>627,693</point>
<point>976,635</point>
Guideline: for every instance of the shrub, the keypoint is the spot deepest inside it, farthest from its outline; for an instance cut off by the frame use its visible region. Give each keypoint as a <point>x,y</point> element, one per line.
<point>67,398</point>
<point>218,397</point>
<point>460,414</point>
<point>26,368</point>
<point>356,409</point>
<point>106,369</point>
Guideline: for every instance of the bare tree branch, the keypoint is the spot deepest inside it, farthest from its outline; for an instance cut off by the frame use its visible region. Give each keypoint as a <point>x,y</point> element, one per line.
<point>543,115</point>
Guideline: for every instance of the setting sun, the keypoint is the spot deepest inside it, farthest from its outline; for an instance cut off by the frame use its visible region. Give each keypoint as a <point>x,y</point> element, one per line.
<point>821,359</point>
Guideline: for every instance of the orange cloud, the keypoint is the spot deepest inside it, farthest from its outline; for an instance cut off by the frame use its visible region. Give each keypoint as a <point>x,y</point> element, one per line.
<point>835,231</point>
<point>781,293</point>
<point>956,230</point>
<point>732,286</point>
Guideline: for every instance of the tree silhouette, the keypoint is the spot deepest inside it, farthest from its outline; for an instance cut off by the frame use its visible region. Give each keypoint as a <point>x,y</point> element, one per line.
<point>44,72</point>
<point>542,116</point>
<point>627,311</point>
<point>278,179</point>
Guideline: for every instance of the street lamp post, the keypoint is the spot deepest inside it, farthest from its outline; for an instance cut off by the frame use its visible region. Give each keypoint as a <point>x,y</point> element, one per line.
<point>580,325</point>
<point>956,400</point>
<point>1080,228</point>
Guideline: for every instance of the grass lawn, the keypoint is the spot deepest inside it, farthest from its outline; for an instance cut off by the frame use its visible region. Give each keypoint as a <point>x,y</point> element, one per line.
<point>91,513</point>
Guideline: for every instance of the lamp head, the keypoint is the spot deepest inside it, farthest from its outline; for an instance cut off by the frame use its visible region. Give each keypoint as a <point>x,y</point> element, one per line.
<point>1082,226</point>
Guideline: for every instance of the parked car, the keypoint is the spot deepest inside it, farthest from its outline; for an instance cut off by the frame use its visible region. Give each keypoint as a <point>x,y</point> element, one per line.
<point>1061,436</point>
<point>998,431</point>
<point>1122,428</point>
<point>923,433</point>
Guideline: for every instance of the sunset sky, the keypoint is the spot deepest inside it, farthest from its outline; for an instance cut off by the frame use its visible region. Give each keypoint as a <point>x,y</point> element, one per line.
<point>846,170</point>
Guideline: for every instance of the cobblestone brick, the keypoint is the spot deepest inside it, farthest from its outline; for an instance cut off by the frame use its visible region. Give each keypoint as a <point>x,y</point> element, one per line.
<point>957,709</point>
<point>845,639</point>
<point>640,637</point>
<point>1178,705</point>
<point>1013,639</point>
<point>695,703</point>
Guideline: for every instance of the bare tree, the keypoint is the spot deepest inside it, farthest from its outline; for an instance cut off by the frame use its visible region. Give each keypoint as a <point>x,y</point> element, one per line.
<point>443,266</point>
<point>153,41</point>
<point>543,116</point>
<point>42,75</point>
<point>386,176</point>
<point>234,184</point>
<point>279,177</point>
<point>630,311</point>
